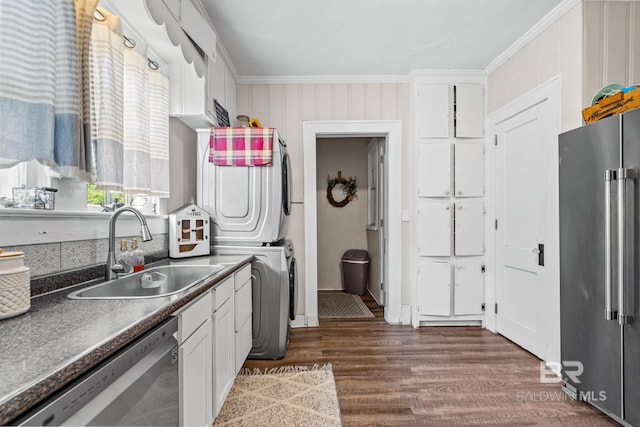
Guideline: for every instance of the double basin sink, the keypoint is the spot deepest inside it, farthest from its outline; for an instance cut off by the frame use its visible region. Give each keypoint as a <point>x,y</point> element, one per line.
<point>150,283</point>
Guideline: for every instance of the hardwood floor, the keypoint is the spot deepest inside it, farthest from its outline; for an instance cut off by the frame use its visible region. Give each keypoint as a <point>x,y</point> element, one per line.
<point>397,375</point>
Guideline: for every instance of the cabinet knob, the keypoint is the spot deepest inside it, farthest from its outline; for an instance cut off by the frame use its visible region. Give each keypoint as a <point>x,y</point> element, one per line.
<point>446,193</point>
<point>459,193</point>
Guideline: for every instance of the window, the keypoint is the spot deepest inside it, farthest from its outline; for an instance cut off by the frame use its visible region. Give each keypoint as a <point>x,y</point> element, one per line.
<point>144,183</point>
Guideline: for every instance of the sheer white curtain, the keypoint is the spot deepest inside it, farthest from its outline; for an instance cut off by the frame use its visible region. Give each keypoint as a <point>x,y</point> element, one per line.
<point>130,115</point>
<point>107,58</point>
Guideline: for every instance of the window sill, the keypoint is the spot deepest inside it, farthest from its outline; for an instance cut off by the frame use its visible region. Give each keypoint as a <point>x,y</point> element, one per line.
<point>34,226</point>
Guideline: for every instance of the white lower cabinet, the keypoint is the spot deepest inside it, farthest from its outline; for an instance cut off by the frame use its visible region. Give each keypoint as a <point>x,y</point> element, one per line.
<point>242,316</point>
<point>224,371</point>
<point>436,296</point>
<point>214,339</point>
<point>194,356</point>
<point>468,288</point>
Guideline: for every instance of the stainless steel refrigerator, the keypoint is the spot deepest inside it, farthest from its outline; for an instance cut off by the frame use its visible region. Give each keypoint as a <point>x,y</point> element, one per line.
<point>599,264</point>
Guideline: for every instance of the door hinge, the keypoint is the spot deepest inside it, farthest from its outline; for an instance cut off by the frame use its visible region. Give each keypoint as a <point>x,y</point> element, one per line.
<point>482,307</point>
<point>483,269</point>
<point>382,223</point>
<point>495,139</point>
<point>495,308</point>
<point>496,224</point>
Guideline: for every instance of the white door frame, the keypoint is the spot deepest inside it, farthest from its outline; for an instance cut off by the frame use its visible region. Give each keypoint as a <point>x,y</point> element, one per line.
<point>392,131</point>
<point>548,92</point>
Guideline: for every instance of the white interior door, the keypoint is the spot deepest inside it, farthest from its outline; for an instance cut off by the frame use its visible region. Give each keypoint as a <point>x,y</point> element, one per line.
<point>521,215</point>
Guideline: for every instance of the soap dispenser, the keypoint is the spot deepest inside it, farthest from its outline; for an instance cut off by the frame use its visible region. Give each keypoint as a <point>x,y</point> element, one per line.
<point>137,256</point>
<point>125,257</point>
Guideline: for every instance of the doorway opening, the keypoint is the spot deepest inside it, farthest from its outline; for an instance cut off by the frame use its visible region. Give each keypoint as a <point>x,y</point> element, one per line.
<point>347,223</point>
<point>389,132</point>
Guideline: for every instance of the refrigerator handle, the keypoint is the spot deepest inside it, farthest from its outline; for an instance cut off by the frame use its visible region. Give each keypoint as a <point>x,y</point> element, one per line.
<point>609,312</point>
<point>623,176</point>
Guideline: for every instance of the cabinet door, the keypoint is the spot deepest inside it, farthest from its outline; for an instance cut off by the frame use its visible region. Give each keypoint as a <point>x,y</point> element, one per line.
<point>469,111</point>
<point>432,111</point>
<point>434,228</point>
<point>434,288</point>
<point>223,354</point>
<point>469,228</point>
<point>196,378</point>
<point>468,292</point>
<point>434,169</point>
<point>469,170</point>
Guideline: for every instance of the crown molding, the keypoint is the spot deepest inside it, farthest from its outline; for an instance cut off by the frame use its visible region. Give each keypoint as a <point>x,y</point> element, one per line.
<point>445,75</point>
<point>558,12</point>
<point>335,79</point>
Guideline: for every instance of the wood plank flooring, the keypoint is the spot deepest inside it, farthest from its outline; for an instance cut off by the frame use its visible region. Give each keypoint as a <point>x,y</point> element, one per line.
<point>397,375</point>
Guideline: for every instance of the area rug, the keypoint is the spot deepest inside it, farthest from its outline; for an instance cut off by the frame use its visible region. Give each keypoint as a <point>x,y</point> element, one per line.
<point>338,305</point>
<point>285,396</point>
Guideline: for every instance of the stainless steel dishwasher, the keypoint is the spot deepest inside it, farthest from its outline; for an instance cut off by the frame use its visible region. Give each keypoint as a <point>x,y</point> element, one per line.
<point>139,386</point>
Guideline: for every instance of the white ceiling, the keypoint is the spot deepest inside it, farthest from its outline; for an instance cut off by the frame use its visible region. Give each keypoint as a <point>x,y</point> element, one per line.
<point>368,37</point>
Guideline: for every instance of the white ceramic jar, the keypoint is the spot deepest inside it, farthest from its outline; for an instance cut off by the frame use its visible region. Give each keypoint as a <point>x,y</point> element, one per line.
<point>15,286</point>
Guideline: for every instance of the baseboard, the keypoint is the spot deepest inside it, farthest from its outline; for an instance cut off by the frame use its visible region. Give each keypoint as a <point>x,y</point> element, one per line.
<point>298,322</point>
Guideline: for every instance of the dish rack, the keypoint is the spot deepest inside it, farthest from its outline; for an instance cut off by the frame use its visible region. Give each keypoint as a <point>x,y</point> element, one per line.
<point>189,232</point>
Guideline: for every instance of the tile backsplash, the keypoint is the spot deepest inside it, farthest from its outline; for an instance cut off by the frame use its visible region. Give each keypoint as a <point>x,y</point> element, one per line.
<point>51,258</point>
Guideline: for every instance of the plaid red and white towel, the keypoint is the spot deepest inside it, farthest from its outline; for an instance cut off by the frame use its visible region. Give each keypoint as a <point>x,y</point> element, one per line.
<point>241,146</point>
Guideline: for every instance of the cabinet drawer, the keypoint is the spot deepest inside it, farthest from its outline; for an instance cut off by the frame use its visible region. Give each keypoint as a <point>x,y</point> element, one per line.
<point>222,292</point>
<point>242,275</point>
<point>243,305</point>
<point>193,315</point>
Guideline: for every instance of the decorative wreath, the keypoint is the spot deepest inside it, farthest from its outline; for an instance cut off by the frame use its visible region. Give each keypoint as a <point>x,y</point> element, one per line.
<point>349,187</point>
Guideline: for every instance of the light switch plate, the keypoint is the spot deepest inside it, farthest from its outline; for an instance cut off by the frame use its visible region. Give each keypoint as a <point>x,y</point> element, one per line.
<point>405,215</point>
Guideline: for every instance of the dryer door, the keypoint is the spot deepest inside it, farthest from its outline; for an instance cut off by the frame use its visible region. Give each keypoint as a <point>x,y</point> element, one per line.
<point>286,183</point>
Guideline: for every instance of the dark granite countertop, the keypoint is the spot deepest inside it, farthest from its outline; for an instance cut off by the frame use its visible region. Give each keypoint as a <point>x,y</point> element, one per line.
<point>59,338</point>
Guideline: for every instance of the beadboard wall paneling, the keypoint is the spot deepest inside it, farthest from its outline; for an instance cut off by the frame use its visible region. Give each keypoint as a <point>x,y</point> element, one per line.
<point>557,50</point>
<point>286,106</point>
<point>611,45</point>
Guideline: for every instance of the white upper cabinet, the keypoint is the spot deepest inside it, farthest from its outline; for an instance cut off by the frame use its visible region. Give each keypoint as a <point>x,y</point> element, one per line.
<point>197,27</point>
<point>469,228</point>
<point>434,228</point>
<point>432,112</point>
<point>434,170</point>
<point>469,169</point>
<point>469,110</point>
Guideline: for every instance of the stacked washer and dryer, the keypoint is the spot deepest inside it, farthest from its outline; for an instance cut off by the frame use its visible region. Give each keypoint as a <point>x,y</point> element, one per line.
<point>250,208</point>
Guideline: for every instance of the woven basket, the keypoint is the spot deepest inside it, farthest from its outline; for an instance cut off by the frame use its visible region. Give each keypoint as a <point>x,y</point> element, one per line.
<point>15,286</point>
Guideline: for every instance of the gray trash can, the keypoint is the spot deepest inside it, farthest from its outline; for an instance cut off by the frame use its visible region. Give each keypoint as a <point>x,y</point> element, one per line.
<point>355,271</point>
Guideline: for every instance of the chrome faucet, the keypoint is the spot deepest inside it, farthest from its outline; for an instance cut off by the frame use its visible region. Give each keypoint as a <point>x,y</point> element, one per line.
<point>113,267</point>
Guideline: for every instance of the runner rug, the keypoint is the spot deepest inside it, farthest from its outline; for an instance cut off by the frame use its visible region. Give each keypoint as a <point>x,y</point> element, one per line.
<point>338,305</point>
<point>285,396</point>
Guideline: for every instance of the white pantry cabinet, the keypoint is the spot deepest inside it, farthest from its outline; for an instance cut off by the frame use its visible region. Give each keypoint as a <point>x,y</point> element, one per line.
<point>432,111</point>
<point>434,169</point>
<point>194,355</point>
<point>469,169</point>
<point>469,227</point>
<point>468,288</point>
<point>448,196</point>
<point>434,227</point>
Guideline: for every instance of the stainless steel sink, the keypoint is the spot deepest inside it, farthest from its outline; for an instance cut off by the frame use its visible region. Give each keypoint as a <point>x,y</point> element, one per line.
<point>151,283</point>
